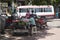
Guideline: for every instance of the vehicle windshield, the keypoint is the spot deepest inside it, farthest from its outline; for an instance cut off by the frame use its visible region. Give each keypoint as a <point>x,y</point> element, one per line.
<point>22,10</point>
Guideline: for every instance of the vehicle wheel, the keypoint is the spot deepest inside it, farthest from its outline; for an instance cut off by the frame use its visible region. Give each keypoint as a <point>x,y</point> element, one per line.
<point>42,27</point>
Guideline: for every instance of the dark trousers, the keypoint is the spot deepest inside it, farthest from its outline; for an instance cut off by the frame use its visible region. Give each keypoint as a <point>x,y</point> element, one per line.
<point>30,30</point>
<point>2,25</point>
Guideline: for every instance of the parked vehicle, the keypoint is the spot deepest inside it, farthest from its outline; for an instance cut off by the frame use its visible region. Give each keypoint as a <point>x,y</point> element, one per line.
<point>41,23</point>
<point>42,10</point>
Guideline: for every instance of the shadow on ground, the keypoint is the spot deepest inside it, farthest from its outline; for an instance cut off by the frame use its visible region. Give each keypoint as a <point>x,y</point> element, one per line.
<point>58,27</point>
<point>41,34</point>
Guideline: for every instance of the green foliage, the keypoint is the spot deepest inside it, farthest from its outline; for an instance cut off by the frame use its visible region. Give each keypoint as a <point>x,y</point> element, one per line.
<point>26,2</point>
<point>57,2</point>
<point>41,2</point>
<point>44,2</point>
<point>35,2</point>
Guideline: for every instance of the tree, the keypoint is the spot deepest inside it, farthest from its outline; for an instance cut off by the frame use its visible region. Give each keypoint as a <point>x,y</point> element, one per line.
<point>26,2</point>
<point>55,2</point>
<point>41,2</point>
<point>44,3</point>
<point>35,2</point>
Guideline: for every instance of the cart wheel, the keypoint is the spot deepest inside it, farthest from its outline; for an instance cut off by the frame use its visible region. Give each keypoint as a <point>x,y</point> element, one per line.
<point>42,27</point>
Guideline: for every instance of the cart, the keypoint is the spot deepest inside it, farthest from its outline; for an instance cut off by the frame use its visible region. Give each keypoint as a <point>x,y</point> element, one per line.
<point>19,27</point>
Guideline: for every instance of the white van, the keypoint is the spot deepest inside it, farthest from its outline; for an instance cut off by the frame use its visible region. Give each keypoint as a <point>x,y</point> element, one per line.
<point>42,10</point>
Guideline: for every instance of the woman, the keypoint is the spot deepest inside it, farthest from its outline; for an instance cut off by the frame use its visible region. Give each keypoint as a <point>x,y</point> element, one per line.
<point>27,14</point>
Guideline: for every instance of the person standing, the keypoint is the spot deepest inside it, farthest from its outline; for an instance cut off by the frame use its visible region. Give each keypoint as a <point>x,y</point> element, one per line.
<point>27,14</point>
<point>56,14</point>
<point>2,22</point>
<point>32,24</point>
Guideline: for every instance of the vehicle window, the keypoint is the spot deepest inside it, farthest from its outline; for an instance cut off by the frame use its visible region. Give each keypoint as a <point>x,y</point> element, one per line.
<point>39,9</point>
<point>22,10</point>
<point>43,10</point>
<point>35,10</point>
<point>47,10</point>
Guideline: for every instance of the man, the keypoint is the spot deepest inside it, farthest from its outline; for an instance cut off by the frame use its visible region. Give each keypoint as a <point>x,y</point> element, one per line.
<point>2,22</point>
<point>32,24</point>
<point>32,20</point>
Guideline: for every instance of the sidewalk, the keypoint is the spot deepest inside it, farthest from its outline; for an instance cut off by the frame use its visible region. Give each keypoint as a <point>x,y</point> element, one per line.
<point>56,19</point>
<point>55,34</point>
<point>53,22</point>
